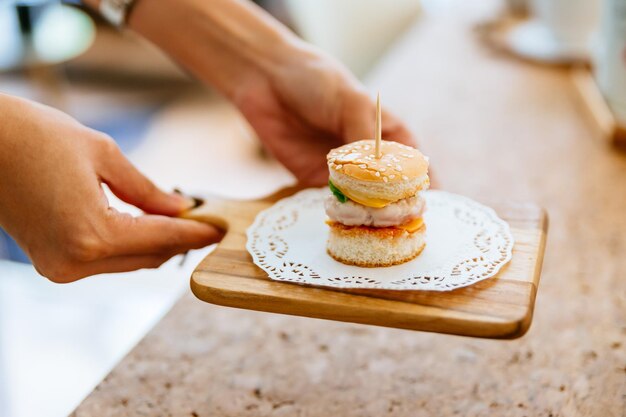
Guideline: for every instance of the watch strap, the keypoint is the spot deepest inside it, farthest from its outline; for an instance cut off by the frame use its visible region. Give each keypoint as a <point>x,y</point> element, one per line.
<point>116,11</point>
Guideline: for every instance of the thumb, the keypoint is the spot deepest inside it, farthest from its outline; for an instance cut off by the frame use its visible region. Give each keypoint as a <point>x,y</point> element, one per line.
<point>396,130</point>
<point>359,122</point>
<point>133,187</point>
<point>359,118</point>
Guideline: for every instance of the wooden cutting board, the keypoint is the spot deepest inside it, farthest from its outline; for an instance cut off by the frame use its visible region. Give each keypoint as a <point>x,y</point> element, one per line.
<point>499,307</point>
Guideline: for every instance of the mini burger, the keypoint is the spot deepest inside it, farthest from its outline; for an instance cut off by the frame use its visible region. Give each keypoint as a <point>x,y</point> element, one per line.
<point>375,210</point>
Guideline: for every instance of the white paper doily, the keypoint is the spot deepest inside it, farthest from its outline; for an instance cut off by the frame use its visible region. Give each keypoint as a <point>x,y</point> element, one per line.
<point>466,242</point>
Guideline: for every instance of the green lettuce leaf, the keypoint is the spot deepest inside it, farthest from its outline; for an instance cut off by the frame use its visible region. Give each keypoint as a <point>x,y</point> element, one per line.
<point>340,196</point>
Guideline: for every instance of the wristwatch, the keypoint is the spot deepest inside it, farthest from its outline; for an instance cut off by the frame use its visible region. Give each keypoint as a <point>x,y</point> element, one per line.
<point>116,11</point>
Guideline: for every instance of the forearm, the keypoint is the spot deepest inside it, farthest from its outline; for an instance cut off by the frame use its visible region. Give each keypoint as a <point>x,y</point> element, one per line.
<point>225,43</point>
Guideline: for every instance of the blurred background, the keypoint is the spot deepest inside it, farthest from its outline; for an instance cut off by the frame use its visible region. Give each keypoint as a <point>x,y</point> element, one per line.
<point>65,56</point>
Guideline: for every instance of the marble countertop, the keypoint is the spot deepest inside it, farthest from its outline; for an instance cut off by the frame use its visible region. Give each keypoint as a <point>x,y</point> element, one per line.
<point>493,127</point>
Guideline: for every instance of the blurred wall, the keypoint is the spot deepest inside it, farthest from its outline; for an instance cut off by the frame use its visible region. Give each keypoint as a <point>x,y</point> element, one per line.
<point>357,32</point>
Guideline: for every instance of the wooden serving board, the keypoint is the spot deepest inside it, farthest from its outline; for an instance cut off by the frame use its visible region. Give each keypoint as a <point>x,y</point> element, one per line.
<point>499,307</point>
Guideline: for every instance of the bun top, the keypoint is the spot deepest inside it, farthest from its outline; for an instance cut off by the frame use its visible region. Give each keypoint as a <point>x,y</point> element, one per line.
<point>398,162</point>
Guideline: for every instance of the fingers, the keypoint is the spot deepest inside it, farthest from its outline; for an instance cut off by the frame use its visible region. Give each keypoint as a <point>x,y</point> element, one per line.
<point>125,243</point>
<point>360,122</point>
<point>395,130</point>
<point>133,187</point>
<point>109,265</point>
<point>126,263</point>
<point>150,234</point>
<point>316,177</point>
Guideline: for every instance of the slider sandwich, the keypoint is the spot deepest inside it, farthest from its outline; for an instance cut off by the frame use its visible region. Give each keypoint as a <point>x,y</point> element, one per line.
<point>375,210</point>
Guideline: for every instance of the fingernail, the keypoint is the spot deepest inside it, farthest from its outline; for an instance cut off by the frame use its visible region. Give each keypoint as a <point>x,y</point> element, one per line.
<point>186,203</point>
<point>189,202</point>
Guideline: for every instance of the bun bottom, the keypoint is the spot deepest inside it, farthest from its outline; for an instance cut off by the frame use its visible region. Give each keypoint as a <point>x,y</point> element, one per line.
<point>374,247</point>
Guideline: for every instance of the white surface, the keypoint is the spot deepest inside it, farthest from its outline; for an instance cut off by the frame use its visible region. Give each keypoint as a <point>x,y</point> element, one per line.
<point>58,341</point>
<point>466,242</point>
<point>534,40</point>
<point>569,21</point>
<point>357,32</point>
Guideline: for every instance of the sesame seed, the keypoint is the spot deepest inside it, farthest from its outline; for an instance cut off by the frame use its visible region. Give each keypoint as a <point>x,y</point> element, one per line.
<point>389,165</point>
<point>385,179</point>
<point>362,166</point>
<point>383,169</point>
<point>404,177</point>
<point>398,168</point>
<point>377,173</point>
<point>392,176</point>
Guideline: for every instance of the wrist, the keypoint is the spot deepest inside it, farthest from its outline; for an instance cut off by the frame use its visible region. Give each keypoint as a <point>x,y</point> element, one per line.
<point>13,109</point>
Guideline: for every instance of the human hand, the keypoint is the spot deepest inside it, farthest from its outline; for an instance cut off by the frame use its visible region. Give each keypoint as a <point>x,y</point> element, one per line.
<point>53,205</point>
<point>309,105</point>
<point>300,102</point>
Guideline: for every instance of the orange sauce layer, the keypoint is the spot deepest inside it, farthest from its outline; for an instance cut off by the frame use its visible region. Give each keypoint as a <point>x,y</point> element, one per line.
<point>412,226</point>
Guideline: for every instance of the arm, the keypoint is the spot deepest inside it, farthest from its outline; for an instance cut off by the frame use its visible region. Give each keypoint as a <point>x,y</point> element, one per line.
<point>225,43</point>
<point>300,102</point>
<point>52,203</point>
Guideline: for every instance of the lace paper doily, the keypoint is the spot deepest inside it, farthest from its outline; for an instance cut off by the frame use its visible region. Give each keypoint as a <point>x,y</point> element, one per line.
<point>466,242</point>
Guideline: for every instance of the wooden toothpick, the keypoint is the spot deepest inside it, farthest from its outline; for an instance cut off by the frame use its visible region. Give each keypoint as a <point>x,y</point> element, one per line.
<point>378,154</point>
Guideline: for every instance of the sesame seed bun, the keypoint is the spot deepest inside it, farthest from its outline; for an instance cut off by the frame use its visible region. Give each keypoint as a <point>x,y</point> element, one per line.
<point>398,162</point>
<point>399,173</point>
<point>374,247</point>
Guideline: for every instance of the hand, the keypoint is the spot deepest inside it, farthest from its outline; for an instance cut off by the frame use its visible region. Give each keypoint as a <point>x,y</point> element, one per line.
<point>52,202</point>
<point>300,102</point>
<point>308,106</point>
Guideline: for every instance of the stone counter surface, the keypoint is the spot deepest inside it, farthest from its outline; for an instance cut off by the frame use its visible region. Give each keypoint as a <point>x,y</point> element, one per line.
<point>494,127</point>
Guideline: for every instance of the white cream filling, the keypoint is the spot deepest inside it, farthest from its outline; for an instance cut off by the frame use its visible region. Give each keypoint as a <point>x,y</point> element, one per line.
<point>394,214</point>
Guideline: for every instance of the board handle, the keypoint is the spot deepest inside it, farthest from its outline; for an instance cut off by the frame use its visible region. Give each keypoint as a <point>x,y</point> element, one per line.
<point>230,214</point>
<point>215,210</point>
